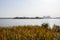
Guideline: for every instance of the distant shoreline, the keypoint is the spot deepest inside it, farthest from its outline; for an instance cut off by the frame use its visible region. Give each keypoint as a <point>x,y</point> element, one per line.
<point>29,18</point>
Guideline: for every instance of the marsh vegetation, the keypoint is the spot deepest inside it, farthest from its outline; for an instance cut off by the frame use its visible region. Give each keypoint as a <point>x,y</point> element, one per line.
<point>30,32</point>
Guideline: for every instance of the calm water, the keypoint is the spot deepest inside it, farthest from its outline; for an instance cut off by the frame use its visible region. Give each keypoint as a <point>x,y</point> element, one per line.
<point>13,22</point>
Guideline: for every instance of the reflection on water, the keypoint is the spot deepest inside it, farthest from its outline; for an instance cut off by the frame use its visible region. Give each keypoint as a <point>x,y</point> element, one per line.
<point>13,22</point>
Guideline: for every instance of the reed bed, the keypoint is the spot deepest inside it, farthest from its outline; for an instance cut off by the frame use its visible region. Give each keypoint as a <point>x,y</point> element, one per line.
<point>29,32</point>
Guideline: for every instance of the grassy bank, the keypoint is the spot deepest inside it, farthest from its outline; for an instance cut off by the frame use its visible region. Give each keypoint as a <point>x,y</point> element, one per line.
<point>29,32</point>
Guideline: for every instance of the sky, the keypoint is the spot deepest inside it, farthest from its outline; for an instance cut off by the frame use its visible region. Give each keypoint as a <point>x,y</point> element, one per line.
<point>29,8</point>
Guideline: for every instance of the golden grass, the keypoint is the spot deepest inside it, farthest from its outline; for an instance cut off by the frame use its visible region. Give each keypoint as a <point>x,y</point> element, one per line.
<point>28,33</point>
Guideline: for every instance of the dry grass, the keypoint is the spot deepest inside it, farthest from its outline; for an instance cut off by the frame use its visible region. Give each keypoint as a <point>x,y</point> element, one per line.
<point>28,33</point>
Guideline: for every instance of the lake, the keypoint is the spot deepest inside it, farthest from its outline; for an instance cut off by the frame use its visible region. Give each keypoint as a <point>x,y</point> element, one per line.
<point>15,22</point>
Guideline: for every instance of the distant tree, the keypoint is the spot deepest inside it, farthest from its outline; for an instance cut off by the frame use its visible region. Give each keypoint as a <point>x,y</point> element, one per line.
<point>45,25</point>
<point>37,17</point>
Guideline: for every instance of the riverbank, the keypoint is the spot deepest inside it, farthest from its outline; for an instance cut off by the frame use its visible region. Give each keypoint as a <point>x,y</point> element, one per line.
<point>30,32</point>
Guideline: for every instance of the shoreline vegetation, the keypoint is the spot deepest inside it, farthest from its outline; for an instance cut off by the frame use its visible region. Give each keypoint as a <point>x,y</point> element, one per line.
<point>29,32</point>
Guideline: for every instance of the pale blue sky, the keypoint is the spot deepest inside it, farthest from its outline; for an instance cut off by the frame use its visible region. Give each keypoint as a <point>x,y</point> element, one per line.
<point>12,8</point>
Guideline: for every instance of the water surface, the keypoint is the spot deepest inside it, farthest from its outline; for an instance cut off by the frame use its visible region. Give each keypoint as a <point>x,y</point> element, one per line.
<point>13,22</point>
